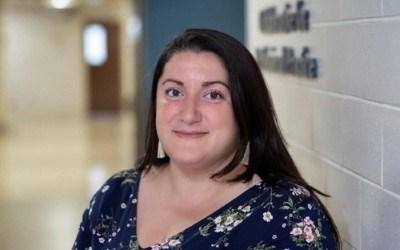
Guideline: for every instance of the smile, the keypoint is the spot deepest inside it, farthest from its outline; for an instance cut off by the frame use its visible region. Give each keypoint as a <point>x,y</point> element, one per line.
<point>189,134</point>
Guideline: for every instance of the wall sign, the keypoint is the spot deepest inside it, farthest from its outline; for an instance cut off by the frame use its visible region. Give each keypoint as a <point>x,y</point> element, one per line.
<point>287,62</point>
<point>271,22</point>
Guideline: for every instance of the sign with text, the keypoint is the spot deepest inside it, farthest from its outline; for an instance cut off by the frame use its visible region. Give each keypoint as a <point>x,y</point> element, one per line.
<point>286,62</point>
<point>271,22</point>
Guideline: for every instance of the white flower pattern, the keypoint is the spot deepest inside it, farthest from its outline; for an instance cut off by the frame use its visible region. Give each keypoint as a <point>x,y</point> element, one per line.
<point>267,216</point>
<point>291,209</point>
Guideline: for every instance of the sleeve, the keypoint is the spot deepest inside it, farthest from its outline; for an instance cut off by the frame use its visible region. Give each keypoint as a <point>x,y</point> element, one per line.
<point>304,225</point>
<point>104,212</point>
<point>83,239</point>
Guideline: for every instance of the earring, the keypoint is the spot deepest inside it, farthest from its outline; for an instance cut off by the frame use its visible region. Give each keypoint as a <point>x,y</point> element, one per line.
<point>245,159</point>
<point>160,151</point>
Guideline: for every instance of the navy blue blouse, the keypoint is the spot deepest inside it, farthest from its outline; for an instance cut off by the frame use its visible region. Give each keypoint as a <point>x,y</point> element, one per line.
<point>263,217</point>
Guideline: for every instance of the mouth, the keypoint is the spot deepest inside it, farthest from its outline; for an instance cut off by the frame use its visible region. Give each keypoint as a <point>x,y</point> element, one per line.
<point>189,134</point>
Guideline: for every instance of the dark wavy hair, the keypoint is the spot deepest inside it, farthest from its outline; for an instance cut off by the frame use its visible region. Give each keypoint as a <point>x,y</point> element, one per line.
<point>252,106</point>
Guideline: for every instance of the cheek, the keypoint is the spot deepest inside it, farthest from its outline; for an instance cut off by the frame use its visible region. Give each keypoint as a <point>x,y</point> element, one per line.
<point>221,117</point>
<point>224,123</point>
<point>165,112</point>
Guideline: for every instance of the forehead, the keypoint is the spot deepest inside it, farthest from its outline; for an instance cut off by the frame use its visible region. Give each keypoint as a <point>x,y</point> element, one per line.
<point>188,61</point>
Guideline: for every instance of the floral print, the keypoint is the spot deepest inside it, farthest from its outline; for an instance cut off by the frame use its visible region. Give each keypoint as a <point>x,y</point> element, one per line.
<point>283,216</point>
<point>172,243</point>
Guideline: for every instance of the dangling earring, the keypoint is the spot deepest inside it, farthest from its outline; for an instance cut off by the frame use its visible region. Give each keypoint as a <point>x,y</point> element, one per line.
<point>245,159</point>
<point>160,151</point>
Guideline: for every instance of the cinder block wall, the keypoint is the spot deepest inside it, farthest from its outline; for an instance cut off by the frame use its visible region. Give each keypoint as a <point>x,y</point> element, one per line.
<point>343,128</point>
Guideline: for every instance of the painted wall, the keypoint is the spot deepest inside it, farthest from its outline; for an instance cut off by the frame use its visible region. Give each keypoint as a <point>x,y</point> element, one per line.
<point>44,70</point>
<point>162,22</point>
<point>2,88</point>
<point>46,73</point>
<point>344,127</point>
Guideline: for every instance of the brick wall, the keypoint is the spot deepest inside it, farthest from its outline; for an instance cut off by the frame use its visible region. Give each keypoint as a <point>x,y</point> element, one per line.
<point>343,128</point>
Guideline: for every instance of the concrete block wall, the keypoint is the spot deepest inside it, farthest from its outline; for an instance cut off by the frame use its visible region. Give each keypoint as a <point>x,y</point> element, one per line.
<point>343,128</point>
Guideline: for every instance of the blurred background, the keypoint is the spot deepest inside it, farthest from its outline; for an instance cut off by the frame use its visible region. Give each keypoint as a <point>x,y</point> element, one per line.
<point>74,77</point>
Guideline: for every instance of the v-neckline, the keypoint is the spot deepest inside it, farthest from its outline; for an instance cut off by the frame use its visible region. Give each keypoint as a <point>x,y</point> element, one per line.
<point>234,203</point>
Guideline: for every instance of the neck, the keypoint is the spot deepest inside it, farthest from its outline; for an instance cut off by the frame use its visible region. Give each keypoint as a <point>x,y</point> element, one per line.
<point>182,179</point>
<point>196,178</point>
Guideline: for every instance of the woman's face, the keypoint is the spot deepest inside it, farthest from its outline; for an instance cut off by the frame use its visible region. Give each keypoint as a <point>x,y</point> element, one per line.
<point>194,114</point>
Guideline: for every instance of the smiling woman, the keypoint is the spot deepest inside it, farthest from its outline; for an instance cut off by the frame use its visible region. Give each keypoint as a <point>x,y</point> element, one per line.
<point>209,106</point>
<point>195,121</point>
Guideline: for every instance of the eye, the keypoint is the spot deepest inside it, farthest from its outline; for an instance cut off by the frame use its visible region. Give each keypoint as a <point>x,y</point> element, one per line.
<point>214,95</point>
<point>173,92</point>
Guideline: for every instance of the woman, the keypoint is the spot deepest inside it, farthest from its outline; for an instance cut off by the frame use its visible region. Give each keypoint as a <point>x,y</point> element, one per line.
<point>216,173</point>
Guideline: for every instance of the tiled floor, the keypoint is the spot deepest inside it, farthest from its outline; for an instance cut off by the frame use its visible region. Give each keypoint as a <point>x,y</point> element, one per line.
<point>49,167</point>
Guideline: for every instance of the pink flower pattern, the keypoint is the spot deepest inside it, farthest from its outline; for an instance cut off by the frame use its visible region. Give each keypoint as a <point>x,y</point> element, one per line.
<point>301,222</point>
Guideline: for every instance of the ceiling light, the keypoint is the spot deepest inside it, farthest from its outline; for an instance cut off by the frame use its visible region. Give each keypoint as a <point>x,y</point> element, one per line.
<point>61,4</point>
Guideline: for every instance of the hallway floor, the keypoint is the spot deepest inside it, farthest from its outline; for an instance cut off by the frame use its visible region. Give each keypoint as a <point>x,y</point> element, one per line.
<point>49,168</point>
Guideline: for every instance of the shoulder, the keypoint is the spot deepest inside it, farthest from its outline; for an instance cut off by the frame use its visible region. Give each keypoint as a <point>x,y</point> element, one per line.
<point>296,217</point>
<point>296,203</point>
<point>283,190</point>
<point>117,190</point>
<point>294,194</point>
<point>104,218</point>
<point>119,181</point>
<point>125,178</point>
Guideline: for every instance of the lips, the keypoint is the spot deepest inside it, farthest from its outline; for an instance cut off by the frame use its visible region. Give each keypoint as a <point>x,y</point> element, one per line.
<point>189,134</point>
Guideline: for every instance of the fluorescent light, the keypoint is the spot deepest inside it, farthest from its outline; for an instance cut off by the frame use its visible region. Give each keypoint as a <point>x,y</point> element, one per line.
<point>95,44</point>
<point>60,4</point>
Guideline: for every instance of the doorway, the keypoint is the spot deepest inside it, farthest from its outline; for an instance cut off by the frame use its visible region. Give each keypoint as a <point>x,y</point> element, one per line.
<point>102,57</point>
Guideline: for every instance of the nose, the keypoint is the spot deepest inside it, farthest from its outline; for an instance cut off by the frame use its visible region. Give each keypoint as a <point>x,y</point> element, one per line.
<point>191,111</point>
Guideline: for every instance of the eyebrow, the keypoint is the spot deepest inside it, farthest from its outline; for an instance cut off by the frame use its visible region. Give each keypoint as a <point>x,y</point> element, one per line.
<point>204,84</point>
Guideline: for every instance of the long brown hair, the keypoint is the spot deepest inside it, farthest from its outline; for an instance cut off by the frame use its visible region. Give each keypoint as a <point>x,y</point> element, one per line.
<point>253,110</point>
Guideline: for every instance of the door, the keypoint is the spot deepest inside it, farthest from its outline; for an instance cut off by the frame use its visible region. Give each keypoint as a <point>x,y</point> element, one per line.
<point>104,76</point>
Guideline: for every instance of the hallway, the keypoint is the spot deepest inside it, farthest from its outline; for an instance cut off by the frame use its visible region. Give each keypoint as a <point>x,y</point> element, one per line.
<point>49,168</point>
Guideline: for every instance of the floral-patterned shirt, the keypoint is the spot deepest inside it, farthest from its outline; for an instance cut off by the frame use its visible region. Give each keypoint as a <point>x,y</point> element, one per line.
<point>263,217</point>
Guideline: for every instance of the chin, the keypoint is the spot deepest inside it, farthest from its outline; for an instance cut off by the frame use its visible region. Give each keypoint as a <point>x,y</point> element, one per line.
<point>188,160</point>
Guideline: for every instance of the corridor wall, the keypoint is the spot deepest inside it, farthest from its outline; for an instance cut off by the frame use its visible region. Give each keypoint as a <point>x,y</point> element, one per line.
<point>45,72</point>
<point>343,127</point>
<point>2,89</point>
